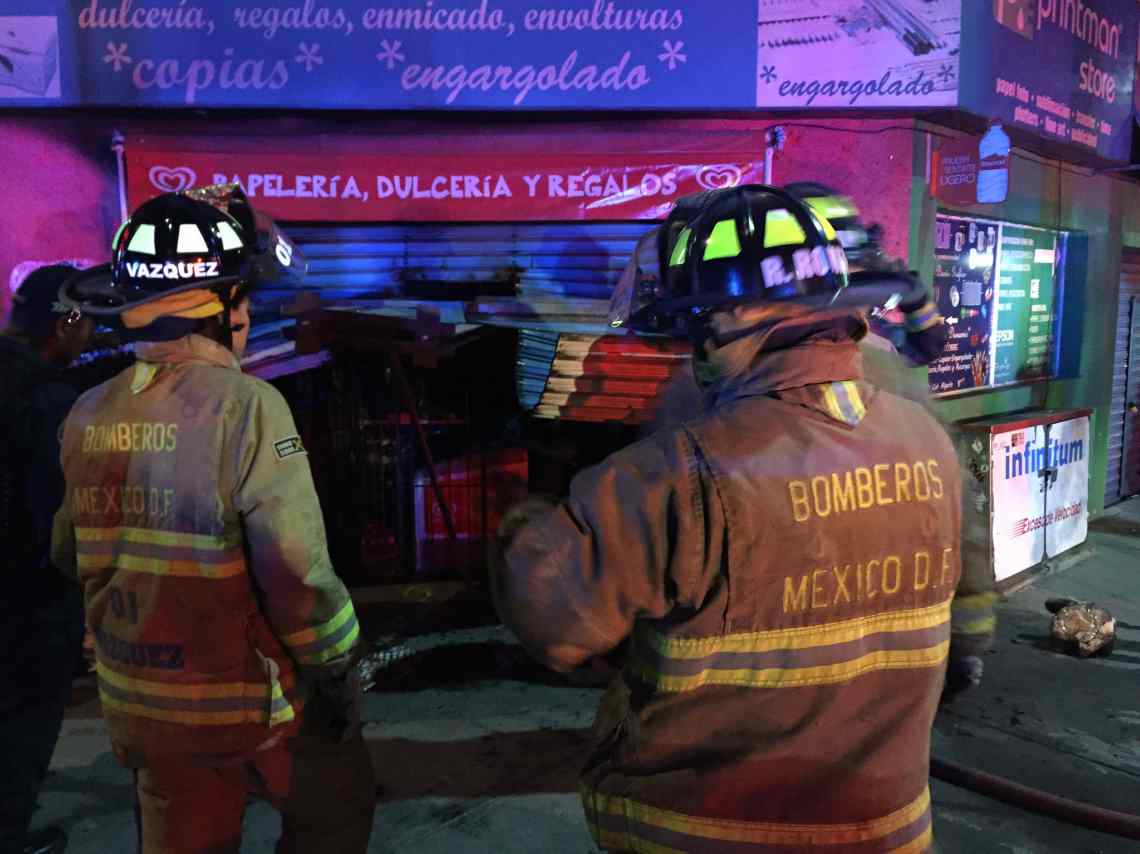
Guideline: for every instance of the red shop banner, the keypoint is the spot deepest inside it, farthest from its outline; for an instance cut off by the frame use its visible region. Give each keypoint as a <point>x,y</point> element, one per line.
<point>464,188</point>
<point>954,176</point>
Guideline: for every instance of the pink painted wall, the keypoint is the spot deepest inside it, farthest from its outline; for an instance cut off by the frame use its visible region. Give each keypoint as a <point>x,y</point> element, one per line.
<point>57,198</point>
<point>870,161</point>
<point>867,159</point>
<point>60,199</point>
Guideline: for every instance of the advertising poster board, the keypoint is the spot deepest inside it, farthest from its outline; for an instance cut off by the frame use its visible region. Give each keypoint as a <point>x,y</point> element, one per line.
<point>999,286</point>
<point>954,172</point>
<point>361,54</point>
<point>1067,524</point>
<point>1023,337</point>
<point>1062,70</point>
<point>838,54</point>
<point>1018,500</point>
<point>1040,484</point>
<point>965,257</point>
<point>1026,491</point>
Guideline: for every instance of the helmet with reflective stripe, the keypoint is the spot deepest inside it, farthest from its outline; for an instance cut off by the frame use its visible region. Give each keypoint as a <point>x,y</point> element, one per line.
<point>205,239</point>
<point>749,244</point>
<point>840,211</point>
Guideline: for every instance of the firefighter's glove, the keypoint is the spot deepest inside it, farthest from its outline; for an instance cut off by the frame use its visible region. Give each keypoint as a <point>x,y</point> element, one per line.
<point>340,695</point>
<point>514,520</point>
<point>520,515</point>
<point>962,674</point>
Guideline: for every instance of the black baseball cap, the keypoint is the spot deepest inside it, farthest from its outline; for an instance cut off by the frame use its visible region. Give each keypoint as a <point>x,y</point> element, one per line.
<point>36,306</point>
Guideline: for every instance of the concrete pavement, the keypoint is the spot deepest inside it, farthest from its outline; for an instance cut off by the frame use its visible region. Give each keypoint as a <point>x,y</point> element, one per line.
<point>476,748</point>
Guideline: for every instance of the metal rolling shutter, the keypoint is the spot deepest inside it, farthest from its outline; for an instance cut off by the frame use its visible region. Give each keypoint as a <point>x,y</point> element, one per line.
<point>1129,288</point>
<point>575,260</point>
<point>565,269</point>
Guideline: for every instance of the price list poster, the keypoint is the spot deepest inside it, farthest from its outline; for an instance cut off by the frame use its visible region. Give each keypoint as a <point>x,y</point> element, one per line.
<point>965,260</point>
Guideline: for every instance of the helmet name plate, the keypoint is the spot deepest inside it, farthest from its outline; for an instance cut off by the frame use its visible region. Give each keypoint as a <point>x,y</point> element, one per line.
<point>172,270</point>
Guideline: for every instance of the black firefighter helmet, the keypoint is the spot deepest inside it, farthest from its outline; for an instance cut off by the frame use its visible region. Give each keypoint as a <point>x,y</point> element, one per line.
<point>749,244</point>
<point>206,238</point>
<point>839,210</point>
<point>880,280</point>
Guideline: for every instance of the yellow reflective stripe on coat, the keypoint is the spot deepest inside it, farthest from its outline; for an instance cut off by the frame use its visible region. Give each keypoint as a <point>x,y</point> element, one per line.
<point>319,644</point>
<point>280,711</point>
<point>973,614</point>
<point>617,841</point>
<point>157,552</point>
<point>621,824</point>
<point>151,535</point>
<point>980,626</point>
<point>976,601</point>
<point>207,703</point>
<point>923,318</point>
<point>843,402</point>
<point>811,655</point>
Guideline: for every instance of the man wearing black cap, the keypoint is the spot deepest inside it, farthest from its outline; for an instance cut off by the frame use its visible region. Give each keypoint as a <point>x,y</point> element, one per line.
<point>41,618</point>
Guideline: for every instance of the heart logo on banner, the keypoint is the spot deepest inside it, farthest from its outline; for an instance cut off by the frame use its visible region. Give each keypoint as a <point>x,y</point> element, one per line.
<point>172,180</point>
<point>719,176</point>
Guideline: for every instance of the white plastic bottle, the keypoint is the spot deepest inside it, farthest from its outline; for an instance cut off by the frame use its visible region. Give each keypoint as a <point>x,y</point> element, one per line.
<point>993,168</point>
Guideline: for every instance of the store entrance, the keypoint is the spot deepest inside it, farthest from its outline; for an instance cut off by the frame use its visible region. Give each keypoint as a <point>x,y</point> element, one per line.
<point>1123,476</point>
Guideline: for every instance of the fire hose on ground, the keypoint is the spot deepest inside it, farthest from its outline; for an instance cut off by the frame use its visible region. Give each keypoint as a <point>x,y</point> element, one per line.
<point>1034,800</point>
<point>1086,630</point>
<point>992,786</point>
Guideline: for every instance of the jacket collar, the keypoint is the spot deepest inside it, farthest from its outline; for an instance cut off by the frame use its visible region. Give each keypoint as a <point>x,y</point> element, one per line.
<point>193,349</point>
<point>787,356</point>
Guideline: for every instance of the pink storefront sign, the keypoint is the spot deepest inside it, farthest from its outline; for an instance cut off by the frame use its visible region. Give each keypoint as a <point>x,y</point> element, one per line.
<point>376,187</point>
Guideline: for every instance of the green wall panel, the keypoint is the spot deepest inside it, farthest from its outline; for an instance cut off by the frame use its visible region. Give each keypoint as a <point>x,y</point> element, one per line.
<point>1106,209</point>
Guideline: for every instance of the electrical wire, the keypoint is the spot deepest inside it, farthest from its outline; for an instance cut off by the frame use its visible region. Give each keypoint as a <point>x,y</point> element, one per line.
<point>1018,153</point>
<point>862,131</point>
<point>1060,164</point>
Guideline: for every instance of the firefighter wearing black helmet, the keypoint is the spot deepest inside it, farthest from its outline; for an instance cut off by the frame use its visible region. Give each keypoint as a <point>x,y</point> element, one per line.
<point>225,643</point>
<point>906,330</point>
<point>781,565</point>
<point>922,334</point>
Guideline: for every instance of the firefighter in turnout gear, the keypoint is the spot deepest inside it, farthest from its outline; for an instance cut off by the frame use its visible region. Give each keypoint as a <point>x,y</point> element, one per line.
<point>906,330</point>
<point>923,333</point>
<point>904,321</point>
<point>781,565</point>
<point>225,643</point>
